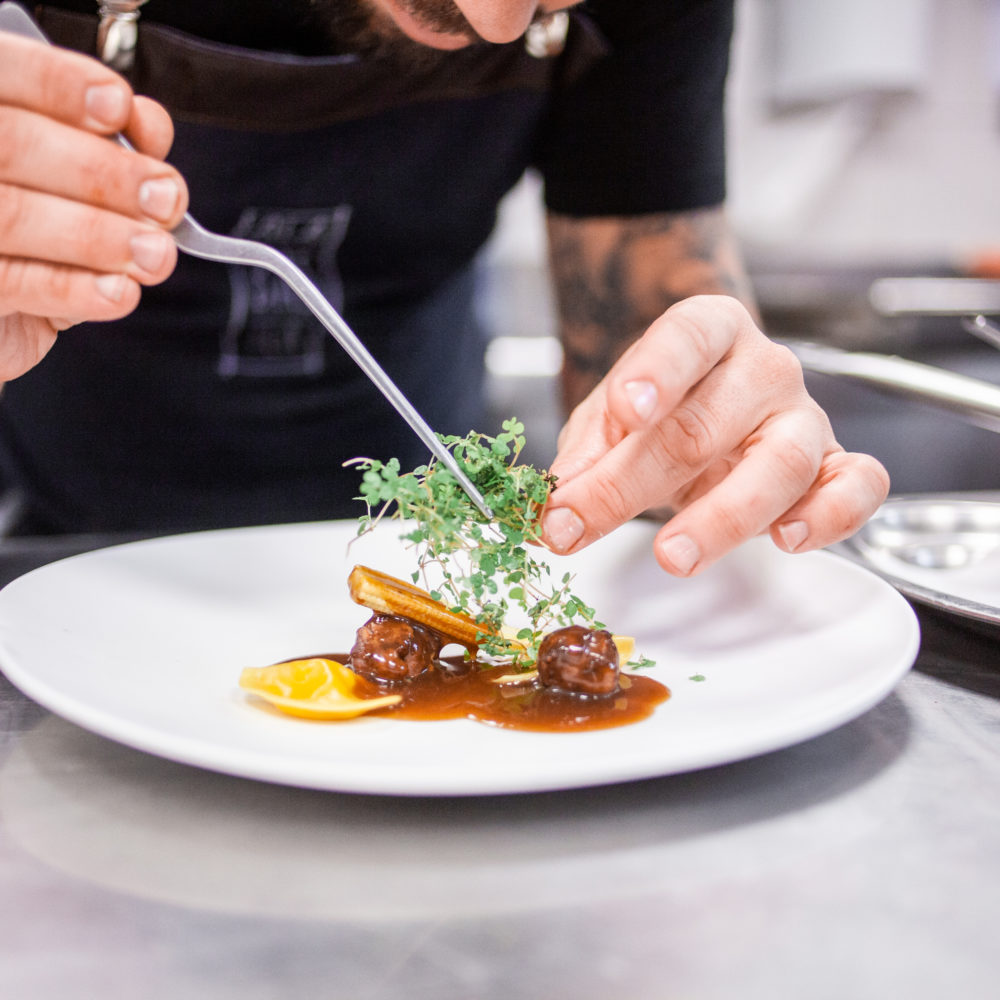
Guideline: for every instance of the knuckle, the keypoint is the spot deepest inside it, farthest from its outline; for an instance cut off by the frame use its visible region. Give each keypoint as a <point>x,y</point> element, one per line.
<point>60,287</point>
<point>688,318</point>
<point>860,491</point>
<point>796,464</point>
<point>784,365</point>
<point>90,233</point>
<point>61,81</point>
<point>847,491</point>
<point>13,280</point>
<point>690,435</point>
<point>728,308</point>
<point>734,522</point>
<point>612,504</point>
<point>11,139</point>
<point>57,85</point>
<point>714,310</point>
<point>92,238</point>
<point>38,289</point>
<point>109,177</point>
<point>13,209</point>
<point>96,180</point>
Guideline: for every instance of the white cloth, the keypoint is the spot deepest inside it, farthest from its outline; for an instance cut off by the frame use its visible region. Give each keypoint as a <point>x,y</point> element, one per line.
<point>811,79</point>
<point>827,50</point>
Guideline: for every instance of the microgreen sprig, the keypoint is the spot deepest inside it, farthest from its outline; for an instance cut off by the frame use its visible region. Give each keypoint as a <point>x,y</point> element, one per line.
<point>484,569</point>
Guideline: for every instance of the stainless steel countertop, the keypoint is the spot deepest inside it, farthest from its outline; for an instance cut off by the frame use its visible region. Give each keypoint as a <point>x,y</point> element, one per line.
<point>863,863</point>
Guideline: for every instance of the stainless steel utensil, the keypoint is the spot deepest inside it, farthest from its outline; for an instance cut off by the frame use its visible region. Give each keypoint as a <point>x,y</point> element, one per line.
<point>983,328</point>
<point>936,549</point>
<point>197,241</point>
<point>194,239</point>
<point>932,532</point>
<point>975,400</point>
<point>935,296</point>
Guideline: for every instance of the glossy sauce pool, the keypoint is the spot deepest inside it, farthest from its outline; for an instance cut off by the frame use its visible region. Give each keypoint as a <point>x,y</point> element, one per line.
<point>457,689</point>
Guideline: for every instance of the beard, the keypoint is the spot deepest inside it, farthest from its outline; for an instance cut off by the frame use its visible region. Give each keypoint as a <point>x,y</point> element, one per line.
<point>357,26</point>
<point>440,15</point>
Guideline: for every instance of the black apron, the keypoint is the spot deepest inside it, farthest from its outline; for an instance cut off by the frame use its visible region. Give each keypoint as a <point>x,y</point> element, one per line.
<point>221,402</point>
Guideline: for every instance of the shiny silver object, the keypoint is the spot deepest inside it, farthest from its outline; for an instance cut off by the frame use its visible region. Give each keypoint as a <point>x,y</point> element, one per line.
<point>933,533</point>
<point>973,399</point>
<point>197,241</point>
<point>118,32</point>
<point>983,328</point>
<point>971,300</point>
<point>926,545</point>
<point>546,37</point>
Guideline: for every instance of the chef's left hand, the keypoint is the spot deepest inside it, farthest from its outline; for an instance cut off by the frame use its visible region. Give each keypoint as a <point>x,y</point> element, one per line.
<point>706,416</point>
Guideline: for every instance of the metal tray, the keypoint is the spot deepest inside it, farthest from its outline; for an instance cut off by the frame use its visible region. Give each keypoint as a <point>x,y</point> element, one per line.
<point>942,550</point>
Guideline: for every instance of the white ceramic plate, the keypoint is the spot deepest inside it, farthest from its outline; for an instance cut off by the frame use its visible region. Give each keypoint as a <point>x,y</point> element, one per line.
<point>143,643</point>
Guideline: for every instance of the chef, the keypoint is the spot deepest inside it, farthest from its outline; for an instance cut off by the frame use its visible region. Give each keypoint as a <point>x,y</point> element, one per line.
<point>371,141</point>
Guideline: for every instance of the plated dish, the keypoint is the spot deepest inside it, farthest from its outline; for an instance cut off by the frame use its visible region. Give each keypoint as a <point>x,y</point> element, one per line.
<point>942,550</point>
<point>142,643</point>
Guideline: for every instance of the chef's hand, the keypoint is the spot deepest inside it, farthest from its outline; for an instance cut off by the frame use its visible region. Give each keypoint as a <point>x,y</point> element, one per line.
<point>82,220</point>
<point>706,416</point>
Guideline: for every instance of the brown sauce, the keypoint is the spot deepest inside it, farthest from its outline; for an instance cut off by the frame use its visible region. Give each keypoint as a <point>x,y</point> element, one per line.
<point>458,689</point>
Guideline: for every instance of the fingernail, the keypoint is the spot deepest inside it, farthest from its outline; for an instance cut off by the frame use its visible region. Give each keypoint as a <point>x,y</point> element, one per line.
<point>107,104</point>
<point>681,552</point>
<point>642,395</point>
<point>562,529</point>
<point>111,286</point>
<point>793,534</point>
<point>149,250</point>
<point>158,198</point>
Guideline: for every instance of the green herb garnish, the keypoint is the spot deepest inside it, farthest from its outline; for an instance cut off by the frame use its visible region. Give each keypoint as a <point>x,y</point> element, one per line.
<point>480,568</point>
<point>641,663</point>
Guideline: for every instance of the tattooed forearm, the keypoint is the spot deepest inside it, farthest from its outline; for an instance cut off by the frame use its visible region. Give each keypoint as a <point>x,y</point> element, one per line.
<point>614,276</point>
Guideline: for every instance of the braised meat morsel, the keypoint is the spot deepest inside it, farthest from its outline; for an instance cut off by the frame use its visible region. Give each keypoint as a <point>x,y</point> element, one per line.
<point>579,659</point>
<point>390,648</point>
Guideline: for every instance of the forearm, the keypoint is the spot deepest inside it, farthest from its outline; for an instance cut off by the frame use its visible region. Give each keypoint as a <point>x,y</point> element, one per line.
<point>705,416</point>
<point>614,276</point>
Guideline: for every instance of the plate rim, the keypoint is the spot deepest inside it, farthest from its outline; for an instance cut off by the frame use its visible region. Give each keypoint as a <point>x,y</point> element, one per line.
<point>176,747</point>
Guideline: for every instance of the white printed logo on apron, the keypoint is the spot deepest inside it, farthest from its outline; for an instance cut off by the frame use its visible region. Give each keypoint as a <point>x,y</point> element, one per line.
<point>270,333</point>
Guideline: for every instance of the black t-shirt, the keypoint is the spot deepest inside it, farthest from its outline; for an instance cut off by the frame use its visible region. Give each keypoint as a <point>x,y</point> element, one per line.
<point>220,401</point>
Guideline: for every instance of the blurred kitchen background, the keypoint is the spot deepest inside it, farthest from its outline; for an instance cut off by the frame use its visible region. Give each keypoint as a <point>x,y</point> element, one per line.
<point>864,166</point>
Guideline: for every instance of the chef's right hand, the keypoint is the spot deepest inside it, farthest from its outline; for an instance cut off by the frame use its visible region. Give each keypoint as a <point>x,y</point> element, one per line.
<point>83,221</point>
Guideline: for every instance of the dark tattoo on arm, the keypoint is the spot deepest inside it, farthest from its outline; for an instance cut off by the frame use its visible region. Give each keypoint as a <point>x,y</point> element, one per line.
<point>614,276</point>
